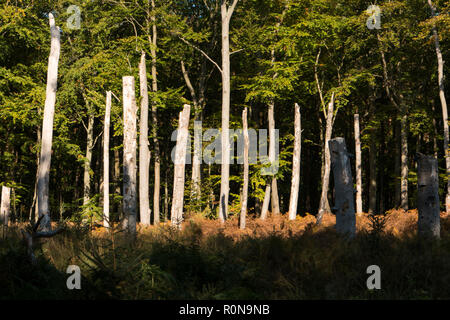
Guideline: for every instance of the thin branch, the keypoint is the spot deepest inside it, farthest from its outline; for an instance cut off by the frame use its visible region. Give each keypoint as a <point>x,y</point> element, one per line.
<point>201,51</point>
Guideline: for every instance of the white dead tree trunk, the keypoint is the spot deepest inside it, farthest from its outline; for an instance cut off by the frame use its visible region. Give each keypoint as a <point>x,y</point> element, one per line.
<point>295,182</point>
<point>326,175</point>
<point>47,127</point>
<point>344,193</point>
<point>129,155</point>
<point>88,158</point>
<point>266,201</point>
<point>359,208</point>
<point>106,160</point>
<point>226,12</point>
<point>443,104</point>
<point>428,196</point>
<point>180,164</point>
<point>245,186</point>
<point>5,208</point>
<point>144,152</point>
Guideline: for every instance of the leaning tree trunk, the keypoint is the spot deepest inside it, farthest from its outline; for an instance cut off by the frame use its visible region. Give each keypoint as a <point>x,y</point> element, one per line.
<point>47,127</point>
<point>106,160</point>
<point>359,208</point>
<point>129,155</point>
<point>157,165</point>
<point>444,106</point>
<point>180,166</point>
<point>404,162</point>
<point>326,174</point>
<point>5,206</point>
<point>144,152</point>
<point>295,182</point>
<point>245,186</point>
<point>343,184</point>
<point>428,196</point>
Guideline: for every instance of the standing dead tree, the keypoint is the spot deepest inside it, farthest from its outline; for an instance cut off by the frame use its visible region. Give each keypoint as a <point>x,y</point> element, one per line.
<point>180,164</point>
<point>245,186</point>
<point>47,128</point>
<point>359,208</point>
<point>106,160</point>
<point>428,196</point>
<point>344,207</point>
<point>129,155</point>
<point>295,182</point>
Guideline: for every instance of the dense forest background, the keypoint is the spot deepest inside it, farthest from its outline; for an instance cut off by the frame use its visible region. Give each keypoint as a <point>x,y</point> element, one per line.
<point>283,52</point>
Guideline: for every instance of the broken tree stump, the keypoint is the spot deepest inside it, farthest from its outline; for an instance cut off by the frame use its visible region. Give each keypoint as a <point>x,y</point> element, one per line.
<point>428,206</point>
<point>344,207</point>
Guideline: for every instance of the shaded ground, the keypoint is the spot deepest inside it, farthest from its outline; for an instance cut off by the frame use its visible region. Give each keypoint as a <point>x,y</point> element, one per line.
<point>272,259</point>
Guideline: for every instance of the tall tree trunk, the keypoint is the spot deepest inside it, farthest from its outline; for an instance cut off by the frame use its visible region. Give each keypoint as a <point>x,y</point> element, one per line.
<point>428,196</point>
<point>444,106</point>
<point>226,13</point>
<point>265,205</point>
<point>34,204</point>
<point>106,161</point>
<point>326,175</point>
<point>5,209</point>
<point>245,186</point>
<point>157,166</point>
<point>295,182</point>
<point>88,159</point>
<point>404,162</point>
<point>117,184</point>
<point>373,174</point>
<point>47,127</point>
<point>144,152</point>
<point>196,162</point>
<point>180,165</point>
<point>359,208</point>
<point>129,155</point>
<point>343,184</point>
<point>274,189</point>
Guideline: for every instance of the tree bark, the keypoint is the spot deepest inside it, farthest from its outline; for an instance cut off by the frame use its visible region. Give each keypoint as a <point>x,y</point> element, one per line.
<point>404,162</point>
<point>326,174</point>
<point>226,13</point>
<point>344,199</point>
<point>275,203</point>
<point>180,165</point>
<point>444,106</point>
<point>373,174</point>
<point>129,155</point>
<point>5,209</point>
<point>359,208</point>
<point>88,159</point>
<point>428,196</point>
<point>245,186</point>
<point>47,127</point>
<point>295,182</point>
<point>265,206</point>
<point>157,166</point>
<point>106,160</point>
<point>144,152</point>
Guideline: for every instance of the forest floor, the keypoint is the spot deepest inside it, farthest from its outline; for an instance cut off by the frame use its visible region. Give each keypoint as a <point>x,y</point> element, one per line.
<point>271,259</point>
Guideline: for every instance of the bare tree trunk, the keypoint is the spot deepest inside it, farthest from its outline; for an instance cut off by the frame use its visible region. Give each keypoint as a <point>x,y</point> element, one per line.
<point>274,189</point>
<point>359,208</point>
<point>245,186</point>
<point>106,161</point>
<point>196,161</point>
<point>265,206</point>
<point>144,152</point>
<point>47,127</point>
<point>226,13</point>
<point>444,106</point>
<point>180,165</point>
<point>88,159</point>
<point>157,166</point>
<point>404,162</point>
<point>344,199</point>
<point>373,174</point>
<point>6,206</point>
<point>129,155</point>
<point>117,184</point>
<point>34,204</point>
<point>428,196</point>
<point>295,182</point>
<point>326,175</point>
